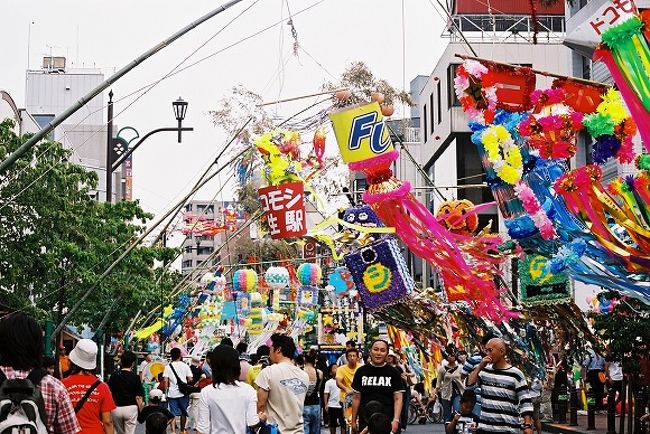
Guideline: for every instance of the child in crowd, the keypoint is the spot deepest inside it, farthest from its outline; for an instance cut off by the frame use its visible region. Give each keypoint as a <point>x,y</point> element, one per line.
<point>155,406</point>
<point>156,424</point>
<point>466,420</point>
<point>378,423</point>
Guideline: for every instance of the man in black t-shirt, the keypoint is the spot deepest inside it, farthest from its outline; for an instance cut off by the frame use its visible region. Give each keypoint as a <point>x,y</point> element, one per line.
<point>378,381</point>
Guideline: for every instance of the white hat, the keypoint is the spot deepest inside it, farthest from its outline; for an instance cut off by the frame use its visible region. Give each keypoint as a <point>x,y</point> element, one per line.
<point>156,393</point>
<point>392,353</point>
<point>84,354</point>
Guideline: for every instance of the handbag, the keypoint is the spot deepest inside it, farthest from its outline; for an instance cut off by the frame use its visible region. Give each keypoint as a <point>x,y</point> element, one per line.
<point>183,387</point>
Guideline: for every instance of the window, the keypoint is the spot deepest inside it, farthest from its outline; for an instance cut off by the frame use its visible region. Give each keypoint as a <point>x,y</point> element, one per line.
<point>201,208</point>
<point>425,123</point>
<point>451,74</point>
<point>439,88</point>
<point>432,118</point>
<point>188,249</point>
<point>187,264</point>
<point>586,67</point>
<point>204,250</point>
<point>216,260</point>
<point>188,207</point>
<point>43,120</point>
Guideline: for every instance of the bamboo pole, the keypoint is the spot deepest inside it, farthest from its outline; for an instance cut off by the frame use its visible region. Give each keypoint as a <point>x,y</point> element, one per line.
<point>296,98</point>
<point>536,71</point>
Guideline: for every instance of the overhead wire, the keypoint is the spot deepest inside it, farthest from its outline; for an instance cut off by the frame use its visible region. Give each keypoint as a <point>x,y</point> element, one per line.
<point>145,91</point>
<point>204,59</point>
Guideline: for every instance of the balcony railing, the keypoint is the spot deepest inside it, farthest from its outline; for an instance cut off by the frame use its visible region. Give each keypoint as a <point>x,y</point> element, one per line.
<point>507,28</point>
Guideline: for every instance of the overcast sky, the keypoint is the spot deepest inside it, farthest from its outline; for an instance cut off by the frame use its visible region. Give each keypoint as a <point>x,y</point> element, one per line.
<point>109,34</point>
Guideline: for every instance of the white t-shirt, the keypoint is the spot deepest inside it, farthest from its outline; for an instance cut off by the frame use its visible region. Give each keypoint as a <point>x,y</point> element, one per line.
<point>227,409</point>
<point>184,373</point>
<point>615,371</point>
<point>287,386</point>
<point>142,367</point>
<point>334,391</point>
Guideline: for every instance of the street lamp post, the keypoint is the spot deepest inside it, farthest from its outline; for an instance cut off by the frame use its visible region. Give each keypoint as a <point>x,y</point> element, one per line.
<point>119,148</point>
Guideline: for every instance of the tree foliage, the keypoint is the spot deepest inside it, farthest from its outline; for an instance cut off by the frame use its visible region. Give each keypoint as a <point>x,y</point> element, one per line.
<point>360,80</point>
<point>626,329</point>
<point>54,235</point>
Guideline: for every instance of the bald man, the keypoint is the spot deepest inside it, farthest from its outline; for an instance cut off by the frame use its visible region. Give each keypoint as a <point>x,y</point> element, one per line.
<point>504,390</point>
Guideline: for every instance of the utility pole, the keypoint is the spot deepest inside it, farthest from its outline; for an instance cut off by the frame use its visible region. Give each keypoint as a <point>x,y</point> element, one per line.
<point>109,150</point>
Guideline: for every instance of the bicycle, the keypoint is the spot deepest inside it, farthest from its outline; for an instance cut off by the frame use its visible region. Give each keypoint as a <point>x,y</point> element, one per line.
<point>431,412</point>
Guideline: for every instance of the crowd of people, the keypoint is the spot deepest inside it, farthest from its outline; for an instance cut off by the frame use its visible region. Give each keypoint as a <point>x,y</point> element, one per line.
<point>273,390</point>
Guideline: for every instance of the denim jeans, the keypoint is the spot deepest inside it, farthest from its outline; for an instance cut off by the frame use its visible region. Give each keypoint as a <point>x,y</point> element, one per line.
<point>311,416</point>
<point>448,406</point>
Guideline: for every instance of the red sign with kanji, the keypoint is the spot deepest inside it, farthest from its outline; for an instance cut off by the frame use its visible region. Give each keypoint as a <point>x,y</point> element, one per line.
<point>284,209</point>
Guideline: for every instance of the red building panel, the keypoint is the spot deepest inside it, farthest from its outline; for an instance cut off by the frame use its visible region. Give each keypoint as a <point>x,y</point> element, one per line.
<point>516,7</point>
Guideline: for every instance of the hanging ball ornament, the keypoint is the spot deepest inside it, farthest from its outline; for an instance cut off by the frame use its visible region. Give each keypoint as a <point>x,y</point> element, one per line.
<point>387,110</point>
<point>309,274</point>
<point>244,280</point>
<point>343,95</point>
<point>277,277</point>
<point>378,97</point>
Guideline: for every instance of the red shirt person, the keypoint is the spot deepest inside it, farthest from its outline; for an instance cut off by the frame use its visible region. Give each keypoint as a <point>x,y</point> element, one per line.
<point>21,351</point>
<point>94,414</point>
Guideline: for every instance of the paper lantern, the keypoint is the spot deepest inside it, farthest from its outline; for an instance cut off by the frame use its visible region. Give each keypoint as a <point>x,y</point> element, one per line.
<point>309,274</point>
<point>277,277</point>
<point>244,280</point>
<point>380,273</point>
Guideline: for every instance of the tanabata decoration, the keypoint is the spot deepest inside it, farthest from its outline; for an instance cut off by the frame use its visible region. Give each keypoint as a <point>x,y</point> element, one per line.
<point>613,130</point>
<point>582,97</point>
<point>244,280</point>
<point>242,302</point>
<point>458,216</point>
<point>380,274</point>
<point>477,100</point>
<point>539,285</point>
<point>277,277</point>
<point>626,53</point>
<point>586,197</point>
<point>513,85</point>
<point>309,275</point>
<point>552,131</point>
<point>536,211</point>
<point>283,199</point>
<point>319,145</point>
<point>503,153</point>
<point>201,225</point>
<point>341,280</point>
<point>361,127</point>
<point>255,315</point>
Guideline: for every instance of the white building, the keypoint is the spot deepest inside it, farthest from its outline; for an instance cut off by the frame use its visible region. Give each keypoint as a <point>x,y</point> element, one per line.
<point>51,90</point>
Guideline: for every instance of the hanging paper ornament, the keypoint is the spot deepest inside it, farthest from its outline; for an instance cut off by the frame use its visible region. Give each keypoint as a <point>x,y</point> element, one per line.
<point>393,202</point>
<point>458,216</point>
<point>582,97</point>
<point>243,303</point>
<point>308,295</point>
<point>626,53</point>
<point>478,100</point>
<point>284,209</point>
<point>341,280</point>
<point>380,273</point>
<point>256,318</point>
<point>309,274</point>
<point>277,277</point>
<point>244,280</point>
<point>319,145</point>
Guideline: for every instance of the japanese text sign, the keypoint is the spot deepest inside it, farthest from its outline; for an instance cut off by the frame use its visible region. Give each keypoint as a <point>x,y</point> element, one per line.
<point>610,14</point>
<point>361,133</point>
<point>284,209</point>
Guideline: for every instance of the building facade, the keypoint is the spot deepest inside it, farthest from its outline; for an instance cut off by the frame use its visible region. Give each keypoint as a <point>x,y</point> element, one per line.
<point>50,91</point>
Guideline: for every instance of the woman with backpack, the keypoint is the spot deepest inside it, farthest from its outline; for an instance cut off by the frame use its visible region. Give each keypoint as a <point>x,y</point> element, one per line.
<point>91,398</point>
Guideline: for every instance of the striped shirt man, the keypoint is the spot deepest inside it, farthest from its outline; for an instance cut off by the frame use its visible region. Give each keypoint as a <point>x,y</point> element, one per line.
<point>471,363</point>
<point>505,397</point>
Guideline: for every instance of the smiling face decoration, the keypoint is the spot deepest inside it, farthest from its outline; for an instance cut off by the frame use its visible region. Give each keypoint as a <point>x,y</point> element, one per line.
<point>380,274</point>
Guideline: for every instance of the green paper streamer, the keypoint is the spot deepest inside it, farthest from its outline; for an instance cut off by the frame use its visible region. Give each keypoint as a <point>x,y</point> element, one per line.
<point>631,53</point>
